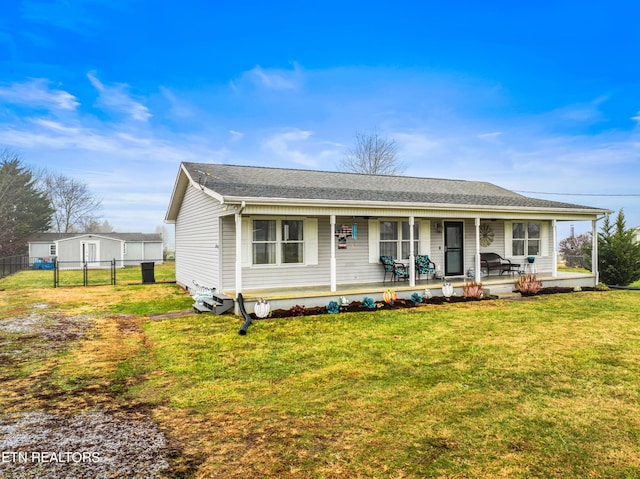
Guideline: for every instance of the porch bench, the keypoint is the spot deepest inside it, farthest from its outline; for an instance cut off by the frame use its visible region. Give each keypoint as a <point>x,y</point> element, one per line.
<point>495,262</point>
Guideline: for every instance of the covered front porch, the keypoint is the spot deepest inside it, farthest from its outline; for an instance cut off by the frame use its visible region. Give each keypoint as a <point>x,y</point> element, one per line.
<point>313,296</point>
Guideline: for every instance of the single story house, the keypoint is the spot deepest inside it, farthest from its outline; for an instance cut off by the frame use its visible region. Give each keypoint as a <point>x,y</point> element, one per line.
<point>97,250</point>
<point>286,234</point>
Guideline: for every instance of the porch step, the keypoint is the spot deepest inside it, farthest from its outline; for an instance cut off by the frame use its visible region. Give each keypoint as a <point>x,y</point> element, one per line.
<point>217,304</point>
<point>500,289</point>
<point>507,295</point>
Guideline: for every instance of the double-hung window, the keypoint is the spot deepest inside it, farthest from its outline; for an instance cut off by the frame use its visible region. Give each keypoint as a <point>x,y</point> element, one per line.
<point>526,239</point>
<point>278,241</point>
<point>395,239</point>
<point>292,241</point>
<point>264,242</point>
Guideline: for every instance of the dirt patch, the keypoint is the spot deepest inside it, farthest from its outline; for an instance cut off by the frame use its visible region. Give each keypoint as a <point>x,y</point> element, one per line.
<point>39,334</point>
<point>89,445</point>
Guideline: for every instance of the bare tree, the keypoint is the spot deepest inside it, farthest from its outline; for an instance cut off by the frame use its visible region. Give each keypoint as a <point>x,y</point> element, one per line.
<point>75,207</point>
<point>373,154</point>
<point>94,226</point>
<point>574,247</point>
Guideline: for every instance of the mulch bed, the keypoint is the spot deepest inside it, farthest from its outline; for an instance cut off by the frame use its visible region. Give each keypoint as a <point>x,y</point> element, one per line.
<point>357,306</point>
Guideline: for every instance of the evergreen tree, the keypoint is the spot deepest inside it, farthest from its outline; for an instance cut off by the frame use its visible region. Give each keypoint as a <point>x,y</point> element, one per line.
<point>618,253</point>
<point>24,209</point>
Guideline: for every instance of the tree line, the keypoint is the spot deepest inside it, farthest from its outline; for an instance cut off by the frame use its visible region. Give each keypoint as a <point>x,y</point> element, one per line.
<point>33,202</point>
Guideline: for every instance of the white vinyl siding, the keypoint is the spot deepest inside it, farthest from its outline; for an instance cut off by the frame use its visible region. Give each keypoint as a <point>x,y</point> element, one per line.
<point>279,241</point>
<point>544,262</point>
<point>314,270</point>
<point>198,240</point>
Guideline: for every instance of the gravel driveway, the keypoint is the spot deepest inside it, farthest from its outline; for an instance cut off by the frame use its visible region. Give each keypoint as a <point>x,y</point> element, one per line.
<point>95,444</point>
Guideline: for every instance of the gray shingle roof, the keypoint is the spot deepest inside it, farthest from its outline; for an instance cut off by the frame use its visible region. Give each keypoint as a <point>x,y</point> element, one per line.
<point>262,182</point>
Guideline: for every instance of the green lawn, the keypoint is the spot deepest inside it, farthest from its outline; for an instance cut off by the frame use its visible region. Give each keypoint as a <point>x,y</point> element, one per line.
<point>541,387</point>
<point>44,278</point>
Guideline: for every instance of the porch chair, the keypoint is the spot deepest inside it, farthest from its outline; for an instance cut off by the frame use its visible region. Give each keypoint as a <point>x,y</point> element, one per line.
<point>387,263</point>
<point>397,270</point>
<point>400,271</point>
<point>424,265</point>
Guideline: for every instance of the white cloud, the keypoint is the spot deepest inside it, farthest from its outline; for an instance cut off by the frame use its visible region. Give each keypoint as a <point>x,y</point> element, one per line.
<point>37,92</point>
<point>294,146</point>
<point>116,98</point>
<point>235,135</point>
<point>490,136</point>
<point>271,78</point>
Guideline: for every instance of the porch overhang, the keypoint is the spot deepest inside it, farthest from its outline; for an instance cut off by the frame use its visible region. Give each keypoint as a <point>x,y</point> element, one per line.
<point>261,205</point>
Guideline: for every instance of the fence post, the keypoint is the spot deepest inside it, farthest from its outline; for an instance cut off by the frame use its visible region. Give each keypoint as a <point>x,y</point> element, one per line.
<point>56,278</point>
<point>113,272</point>
<point>85,275</point>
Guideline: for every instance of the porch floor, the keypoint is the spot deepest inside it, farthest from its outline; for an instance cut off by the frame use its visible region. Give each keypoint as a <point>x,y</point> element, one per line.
<point>359,289</point>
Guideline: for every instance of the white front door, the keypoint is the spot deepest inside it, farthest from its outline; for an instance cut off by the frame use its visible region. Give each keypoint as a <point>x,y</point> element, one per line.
<point>91,254</point>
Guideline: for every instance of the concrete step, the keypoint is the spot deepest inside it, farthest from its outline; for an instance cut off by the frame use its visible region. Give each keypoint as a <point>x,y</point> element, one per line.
<point>497,289</point>
<point>507,295</point>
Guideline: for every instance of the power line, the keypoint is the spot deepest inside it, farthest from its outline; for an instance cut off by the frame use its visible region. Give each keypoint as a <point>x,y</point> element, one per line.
<point>577,194</point>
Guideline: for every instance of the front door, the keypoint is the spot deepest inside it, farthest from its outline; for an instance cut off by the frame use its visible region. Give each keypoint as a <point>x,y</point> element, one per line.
<point>453,248</point>
<point>90,254</point>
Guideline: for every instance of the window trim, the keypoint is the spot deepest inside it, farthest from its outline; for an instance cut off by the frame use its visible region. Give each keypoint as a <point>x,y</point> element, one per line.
<point>542,239</point>
<point>422,244</point>
<point>279,242</point>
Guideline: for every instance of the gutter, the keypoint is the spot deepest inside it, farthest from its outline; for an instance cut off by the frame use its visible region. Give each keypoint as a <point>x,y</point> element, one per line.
<point>404,205</point>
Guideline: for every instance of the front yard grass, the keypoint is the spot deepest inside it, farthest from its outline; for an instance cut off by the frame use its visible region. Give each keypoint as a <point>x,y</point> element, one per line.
<point>540,387</point>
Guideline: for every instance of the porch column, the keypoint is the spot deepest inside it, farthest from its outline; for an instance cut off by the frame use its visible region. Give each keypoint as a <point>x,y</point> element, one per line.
<point>476,267</point>
<point>554,238</point>
<point>238,254</point>
<point>594,250</point>
<point>332,238</point>
<point>412,255</point>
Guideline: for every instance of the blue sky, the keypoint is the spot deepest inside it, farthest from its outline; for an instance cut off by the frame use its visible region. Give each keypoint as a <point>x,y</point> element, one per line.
<point>535,97</point>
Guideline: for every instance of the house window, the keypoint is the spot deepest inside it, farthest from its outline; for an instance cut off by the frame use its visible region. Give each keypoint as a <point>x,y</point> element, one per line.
<point>396,237</point>
<point>278,242</point>
<point>264,242</point>
<point>292,241</point>
<point>52,250</point>
<point>526,239</point>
